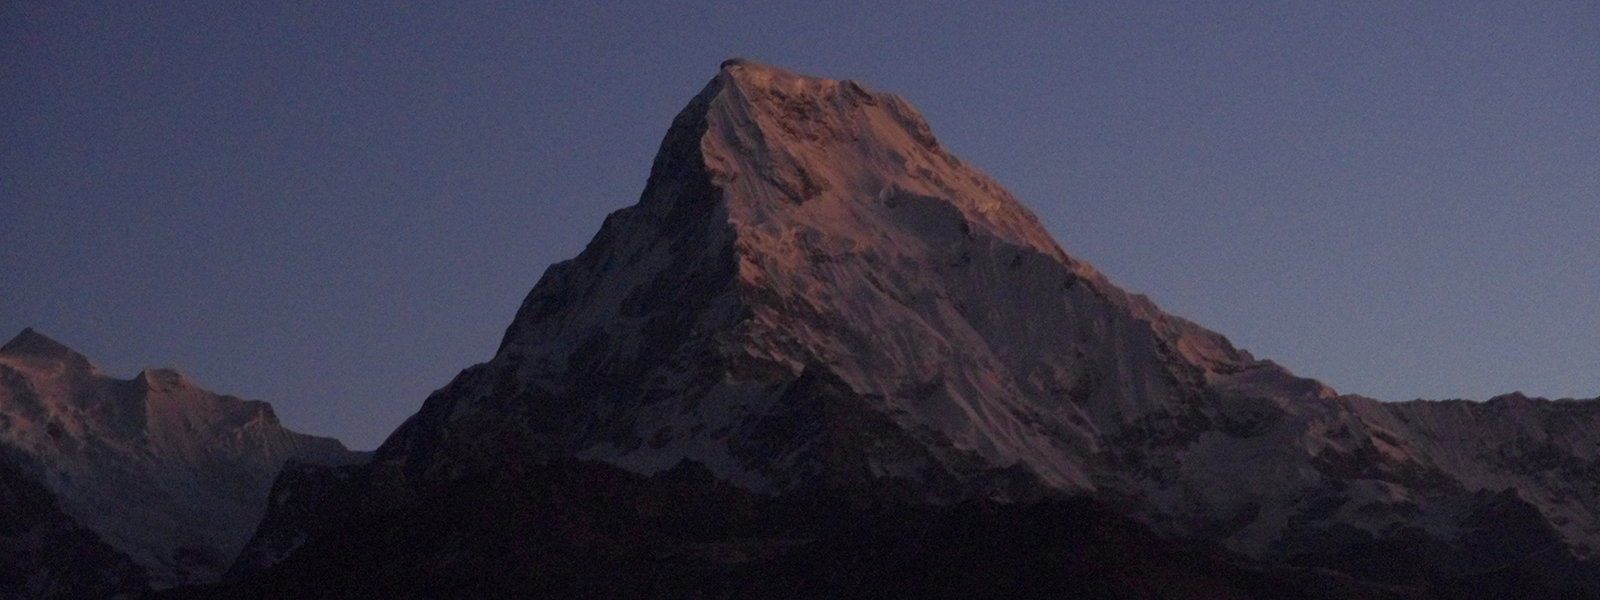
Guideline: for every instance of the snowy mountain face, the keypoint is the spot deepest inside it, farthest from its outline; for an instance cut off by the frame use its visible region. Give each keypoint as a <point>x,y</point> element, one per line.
<point>46,554</point>
<point>806,253</point>
<point>163,472</point>
<point>813,297</point>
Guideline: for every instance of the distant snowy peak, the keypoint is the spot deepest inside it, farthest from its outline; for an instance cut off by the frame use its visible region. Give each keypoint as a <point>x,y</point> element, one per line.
<point>169,474</point>
<point>30,344</point>
<point>159,410</point>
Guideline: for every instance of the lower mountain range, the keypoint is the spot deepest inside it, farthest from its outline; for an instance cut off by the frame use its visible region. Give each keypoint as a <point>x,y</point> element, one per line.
<point>821,357</point>
<point>116,485</point>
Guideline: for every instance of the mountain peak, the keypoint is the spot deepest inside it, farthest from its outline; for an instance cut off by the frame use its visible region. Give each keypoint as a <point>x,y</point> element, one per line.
<point>812,299</point>
<point>759,78</point>
<point>773,141</point>
<point>32,344</point>
<point>739,61</point>
<point>170,474</point>
<point>740,64</point>
<point>806,252</point>
<point>163,380</point>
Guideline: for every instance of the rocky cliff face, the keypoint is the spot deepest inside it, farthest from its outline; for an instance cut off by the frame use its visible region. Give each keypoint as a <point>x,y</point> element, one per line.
<point>169,475</point>
<point>812,298</point>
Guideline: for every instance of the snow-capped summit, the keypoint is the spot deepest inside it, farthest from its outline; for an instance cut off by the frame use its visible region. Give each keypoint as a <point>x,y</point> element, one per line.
<point>805,250</point>
<point>812,295</point>
<point>30,343</point>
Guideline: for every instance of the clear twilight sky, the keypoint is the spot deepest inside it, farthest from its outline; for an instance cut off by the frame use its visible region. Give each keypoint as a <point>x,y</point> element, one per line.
<point>336,206</point>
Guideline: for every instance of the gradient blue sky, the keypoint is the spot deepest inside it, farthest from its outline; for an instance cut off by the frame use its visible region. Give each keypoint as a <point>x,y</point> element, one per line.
<point>335,206</point>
